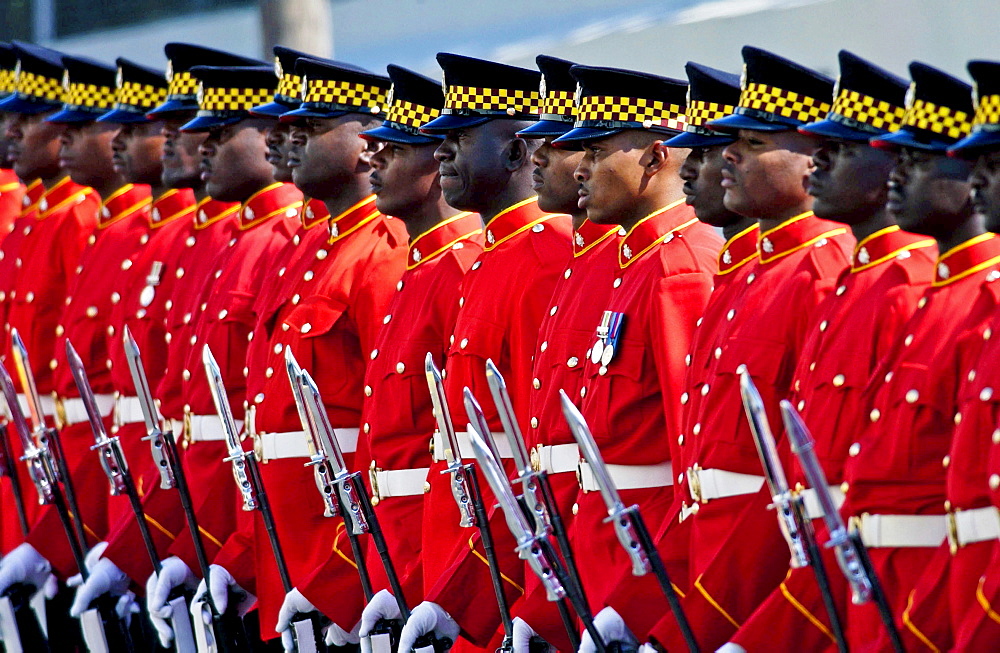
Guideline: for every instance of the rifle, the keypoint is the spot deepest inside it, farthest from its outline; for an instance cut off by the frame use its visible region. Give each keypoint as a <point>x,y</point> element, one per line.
<point>795,525</point>
<point>631,529</point>
<point>354,502</point>
<point>852,555</point>
<point>246,472</point>
<point>103,630</point>
<point>227,630</point>
<point>8,468</point>
<point>468,497</point>
<point>537,493</point>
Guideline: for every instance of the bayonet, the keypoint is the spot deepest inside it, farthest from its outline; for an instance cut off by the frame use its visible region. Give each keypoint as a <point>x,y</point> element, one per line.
<point>154,435</point>
<point>40,468</point>
<point>323,471</point>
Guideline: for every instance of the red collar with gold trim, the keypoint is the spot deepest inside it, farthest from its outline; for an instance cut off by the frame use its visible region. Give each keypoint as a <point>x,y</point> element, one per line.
<point>974,255</point>
<point>174,204</point>
<point>514,220</point>
<point>314,212</point>
<point>885,245</point>
<point>32,196</point>
<point>64,193</point>
<point>589,235</point>
<point>353,219</point>
<point>277,199</point>
<point>794,234</point>
<point>739,250</point>
<point>211,211</point>
<point>8,180</point>
<point>127,201</point>
<point>657,227</point>
<point>442,237</point>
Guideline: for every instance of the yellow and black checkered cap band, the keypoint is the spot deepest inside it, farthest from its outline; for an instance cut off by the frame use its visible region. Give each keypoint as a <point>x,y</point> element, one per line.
<point>139,98</point>
<point>946,121</point>
<point>410,114</point>
<point>857,109</point>
<point>625,112</point>
<point>89,96</point>
<point>988,113</point>
<point>491,101</point>
<point>8,81</point>
<point>182,85</point>
<point>39,87</point>
<point>216,100</point>
<point>700,112</point>
<point>786,104</point>
<point>289,88</point>
<point>344,96</point>
<point>558,105</point>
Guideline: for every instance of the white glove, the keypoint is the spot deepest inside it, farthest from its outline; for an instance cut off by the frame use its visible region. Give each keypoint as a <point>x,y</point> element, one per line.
<point>126,607</point>
<point>89,561</point>
<point>25,565</point>
<point>382,606</point>
<point>174,573</point>
<point>105,578</point>
<point>337,636</point>
<point>221,584</point>
<point>294,603</point>
<point>424,619</point>
<point>612,628</point>
<point>729,647</point>
<point>522,636</point>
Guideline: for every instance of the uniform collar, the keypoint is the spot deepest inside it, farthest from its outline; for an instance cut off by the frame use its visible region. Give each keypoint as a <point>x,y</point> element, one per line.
<point>972,256</point>
<point>794,234</point>
<point>442,237</point>
<point>32,196</point>
<point>514,220</point>
<point>8,180</point>
<point>171,205</point>
<point>277,199</point>
<point>885,245</point>
<point>64,193</point>
<point>211,211</point>
<point>314,212</point>
<point>589,235</point>
<point>657,227</point>
<point>353,219</point>
<point>739,250</point>
<point>127,201</point>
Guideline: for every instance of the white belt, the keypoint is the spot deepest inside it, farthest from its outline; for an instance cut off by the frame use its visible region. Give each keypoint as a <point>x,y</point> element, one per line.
<point>811,501</point>
<point>971,526</point>
<point>901,531</point>
<point>439,444</point>
<point>627,477</point>
<point>128,410</point>
<point>555,459</point>
<point>48,404</point>
<point>396,482</point>
<point>705,485</point>
<point>203,428</point>
<point>72,411</point>
<point>294,444</point>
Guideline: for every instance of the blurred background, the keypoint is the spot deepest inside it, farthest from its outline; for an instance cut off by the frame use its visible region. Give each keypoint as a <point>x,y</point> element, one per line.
<point>654,36</point>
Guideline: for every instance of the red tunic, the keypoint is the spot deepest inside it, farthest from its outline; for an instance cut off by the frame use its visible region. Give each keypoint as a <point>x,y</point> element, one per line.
<point>11,198</point>
<point>895,467</point>
<point>334,301</point>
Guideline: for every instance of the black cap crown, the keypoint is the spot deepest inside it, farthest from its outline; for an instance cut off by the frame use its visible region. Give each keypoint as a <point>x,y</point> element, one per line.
<point>38,80</point>
<point>226,94</point>
<point>414,100</point>
<point>557,90</point>
<point>140,89</point>
<point>985,134</point>
<point>712,94</point>
<point>939,112</point>
<point>183,87</point>
<point>331,89</point>
<point>89,90</point>
<point>777,94</point>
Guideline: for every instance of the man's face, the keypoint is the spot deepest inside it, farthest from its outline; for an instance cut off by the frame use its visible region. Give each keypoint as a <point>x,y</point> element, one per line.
<point>553,178</point>
<point>702,175</point>
<point>279,144</point>
<point>86,153</point>
<point>611,176</point>
<point>34,146</point>
<point>985,182</point>
<point>848,183</point>
<point>473,164</point>
<point>766,173</point>
<point>327,153</point>
<point>181,154</point>
<point>404,179</point>
<point>928,192</point>
<point>137,152</point>
<point>233,165</point>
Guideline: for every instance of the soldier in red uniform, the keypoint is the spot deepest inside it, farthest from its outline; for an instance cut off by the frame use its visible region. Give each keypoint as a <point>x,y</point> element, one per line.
<point>328,310</point>
<point>11,188</point>
<point>765,177</point>
<point>486,168</point>
<point>853,328</point>
<point>895,472</point>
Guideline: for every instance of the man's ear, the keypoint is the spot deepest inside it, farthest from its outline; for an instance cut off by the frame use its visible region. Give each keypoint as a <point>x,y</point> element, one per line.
<point>516,154</point>
<point>656,158</point>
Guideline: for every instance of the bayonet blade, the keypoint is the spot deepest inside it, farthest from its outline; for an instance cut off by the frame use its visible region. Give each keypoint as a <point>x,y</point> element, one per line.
<point>588,447</point>
<point>501,397</point>
<point>327,436</point>
<point>27,377</point>
<point>236,454</point>
<point>141,383</point>
<point>763,437</point>
<point>294,371</point>
<point>439,402</point>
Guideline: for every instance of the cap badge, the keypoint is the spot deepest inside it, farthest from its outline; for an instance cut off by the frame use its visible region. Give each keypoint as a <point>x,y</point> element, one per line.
<point>277,68</point>
<point>911,95</point>
<point>578,94</point>
<point>541,87</point>
<point>864,258</point>
<point>743,78</point>
<point>65,80</point>
<point>170,70</point>
<point>391,95</point>
<point>119,77</point>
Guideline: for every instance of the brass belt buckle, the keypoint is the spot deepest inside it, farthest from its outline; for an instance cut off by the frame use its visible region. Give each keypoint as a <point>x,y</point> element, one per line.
<point>188,436</point>
<point>694,483</point>
<point>373,479</point>
<point>60,412</point>
<point>536,458</point>
<point>951,523</point>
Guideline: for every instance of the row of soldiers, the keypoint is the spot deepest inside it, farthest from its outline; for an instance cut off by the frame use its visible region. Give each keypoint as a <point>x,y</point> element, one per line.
<point>560,224</point>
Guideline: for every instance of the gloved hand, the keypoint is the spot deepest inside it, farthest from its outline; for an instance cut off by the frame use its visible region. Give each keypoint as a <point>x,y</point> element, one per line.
<point>728,647</point>
<point>337,636</point>
<point>105,578</point>
<point>89,561</point>
<point>382,606</point>
<point>126,607</point>
<point>522,636</point>
<point>222,584</point>
<point>26,565</point>
<point>612,628</point>
<point>424,619</point>
<point>294,603</point>
<point>174,573</point>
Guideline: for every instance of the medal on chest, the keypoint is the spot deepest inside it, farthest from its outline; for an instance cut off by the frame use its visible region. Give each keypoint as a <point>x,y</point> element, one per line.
<point>609,333</point>
<point>152,281</point>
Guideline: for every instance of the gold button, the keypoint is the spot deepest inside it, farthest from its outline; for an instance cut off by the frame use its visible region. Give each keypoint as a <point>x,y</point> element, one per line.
<point>399,285</point>
<point>223,313</point>
<point>912,395</point>
<point>321,254</point>
<point>400,367</point>
<point>259,397</point>
<point>731,314</point>
<point>534,422</point>
<point>464,343</point>
<point>812,366</point>
<point>126,264</point>
<point>697,429</point>
<point>888,377</point>
<point>844,487</point>
<point>958,418</point>
<point>684,398</point>
<point>687,360</point>
<point>60,330</point>
<point>552,311</point>
<point>874,415</point>
<point>308,276</point>
<point>115,297</point>
<point>278,348</point>
<point>193,340</point>
<point>841,290</point>
<point>680,440</point>
<point>284,327</point>
<point>972,375</point>
<point>374,354</point>
<point>92,311</point>
<point>269,372</point>
<point>368,391</point>
<point>908,340</point>
<point>996,436</point>
<point>536,384</point>
<point>986,394</point>
<point>111,330</point>
<point>567,273</point>
<point>186,374</point>
<point>617,283</point>
<point>305,328</point>
<point>427,487</point>
<point>367,427</point>
<point>801,404</point>
<point>296,298</point>
<point>576,508</point>
<point>922,302</point>
<point>855,449</point>
<point>602,370</point>
<point>583,391</point>
<point>718,352</point>
<point>823,325</point>
<point>704,389</point>
<point>750,278</point>
<point>385,320</point>
<point>179,273</point>
<point>994,481</point>
<point>988,333</point>
<point>839,380</point>
<point>542,347</point>
<point>53,364</point>
<point>946,461</point>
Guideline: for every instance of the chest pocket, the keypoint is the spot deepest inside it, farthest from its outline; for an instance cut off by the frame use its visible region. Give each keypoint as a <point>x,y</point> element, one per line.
<point>403,383</point>
<point>622,381</point>
<point>478,338</point>
<point>326,345</point>
<point>226,329</point>
<point>914,401</point>
<point>765,361</point>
